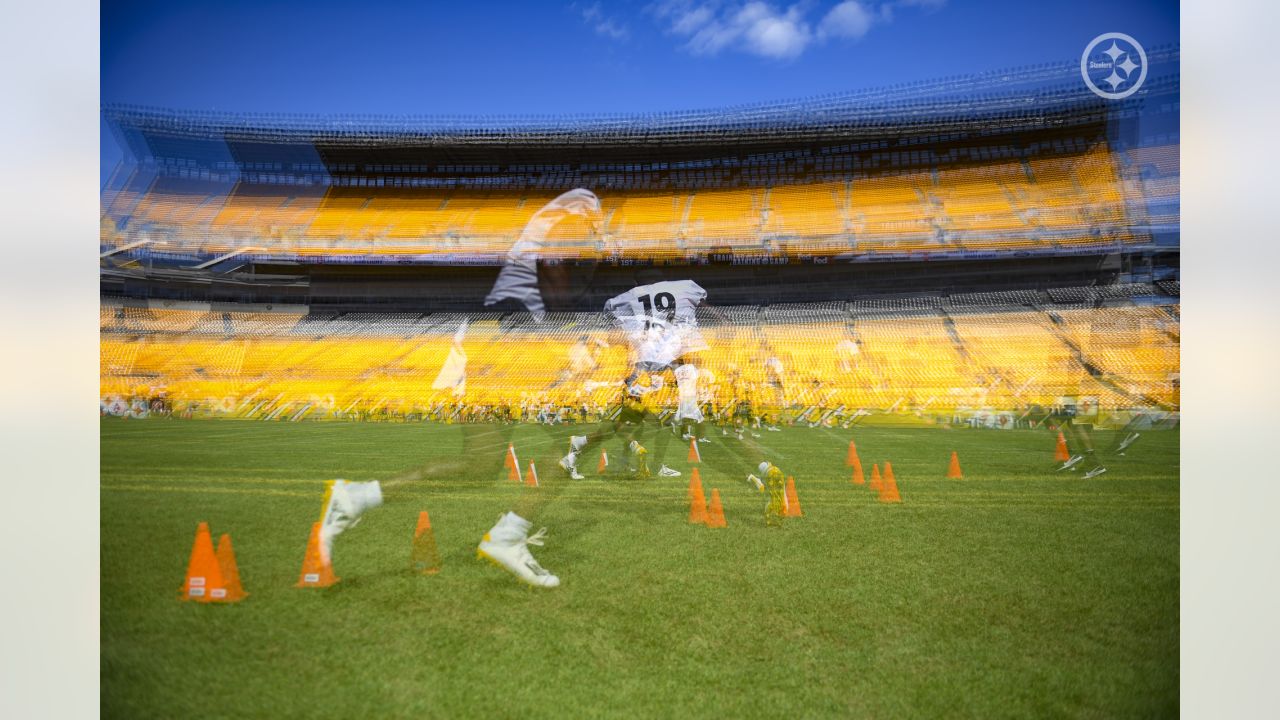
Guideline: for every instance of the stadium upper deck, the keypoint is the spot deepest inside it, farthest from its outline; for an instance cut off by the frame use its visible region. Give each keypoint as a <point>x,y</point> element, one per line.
<point>1023,161</point>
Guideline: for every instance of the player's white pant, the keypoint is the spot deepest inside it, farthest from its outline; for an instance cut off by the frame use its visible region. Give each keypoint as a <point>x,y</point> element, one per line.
<point>687,386</point>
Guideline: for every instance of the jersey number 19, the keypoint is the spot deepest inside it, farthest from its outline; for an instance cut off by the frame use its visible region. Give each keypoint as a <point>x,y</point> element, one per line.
<point>665,302</point>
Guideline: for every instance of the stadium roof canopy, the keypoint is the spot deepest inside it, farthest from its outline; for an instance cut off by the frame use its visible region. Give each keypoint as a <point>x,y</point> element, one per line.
<point>1032,97</point>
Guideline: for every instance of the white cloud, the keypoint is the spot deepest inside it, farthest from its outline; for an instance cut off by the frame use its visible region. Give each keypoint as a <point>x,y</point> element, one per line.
<point>850,19</point>
<point>602,25</point>
<point>755,27</point>
<point>609,28</point>
<point>771,34</point>
<point>767,30</point>
<point>689,21</point>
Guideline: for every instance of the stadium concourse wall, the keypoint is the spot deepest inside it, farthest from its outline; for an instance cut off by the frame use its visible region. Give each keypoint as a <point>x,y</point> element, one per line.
<point>584,287</point>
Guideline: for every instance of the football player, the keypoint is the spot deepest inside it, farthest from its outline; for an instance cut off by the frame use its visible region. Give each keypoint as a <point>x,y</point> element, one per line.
<point>659,320</point>
<point>523,284</point>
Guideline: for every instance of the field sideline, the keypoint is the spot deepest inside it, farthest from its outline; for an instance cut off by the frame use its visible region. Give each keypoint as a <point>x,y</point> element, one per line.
<point>1018,591</point>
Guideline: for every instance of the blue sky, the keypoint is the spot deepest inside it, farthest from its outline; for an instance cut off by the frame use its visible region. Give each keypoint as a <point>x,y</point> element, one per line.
<point>573,57</point>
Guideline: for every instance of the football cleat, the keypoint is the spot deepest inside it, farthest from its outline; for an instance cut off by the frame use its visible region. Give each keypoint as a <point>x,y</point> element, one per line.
<point>344,503</point>
<point>507,546</point>
<point>570,464</point>
<point>665,471</point>
<point>1094,472</point>
<point>1133,437</point>
<point>1072,462</point>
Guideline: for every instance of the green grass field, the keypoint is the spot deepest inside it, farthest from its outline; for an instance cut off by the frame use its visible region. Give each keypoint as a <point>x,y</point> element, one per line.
<point>1016,592</point>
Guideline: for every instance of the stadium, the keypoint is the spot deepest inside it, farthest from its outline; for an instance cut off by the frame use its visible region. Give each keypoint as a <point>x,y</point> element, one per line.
<point>960,278</point>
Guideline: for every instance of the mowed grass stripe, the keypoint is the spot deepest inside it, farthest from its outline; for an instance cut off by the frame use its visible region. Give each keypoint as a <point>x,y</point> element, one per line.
<point>824,492</point>
<point>490,498</point>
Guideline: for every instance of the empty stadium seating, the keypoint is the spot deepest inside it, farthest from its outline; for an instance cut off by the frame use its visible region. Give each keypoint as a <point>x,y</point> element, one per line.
<point>1062,200</point>
<point>923,355</point>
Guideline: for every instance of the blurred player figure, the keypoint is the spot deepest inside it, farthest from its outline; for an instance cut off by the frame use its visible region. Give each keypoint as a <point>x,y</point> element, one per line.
<point>775,380</point>
<point>659,320</point>
<point>660,325</point>
<point>847,351</point>
<point>706,397</point>
<point>1128,435</point>
<point>523,284</point>
<point>1078,438</point>
<point>742,408</point>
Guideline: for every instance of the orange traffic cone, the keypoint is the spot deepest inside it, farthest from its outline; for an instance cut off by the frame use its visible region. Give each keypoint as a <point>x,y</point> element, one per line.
<point>857,478</point>
<point>426,556</point>
<point>531,477</point>
<point>889,488</point>
<point>953,470</point>
<point>316,569</point>
<point>697,500</point>
<point>512,464</point>
<point>852,458</point>
<point>694,455</point>
<point>793,499</point>
<point>604,463</point>
<point>875,478</point>
<point>1060,453</point>
<point>203,572</point>
<point>715,514</point>
<point>230,573</point>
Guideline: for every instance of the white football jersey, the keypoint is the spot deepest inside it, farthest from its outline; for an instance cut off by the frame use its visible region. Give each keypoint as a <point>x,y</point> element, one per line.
<point>660,319</point>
